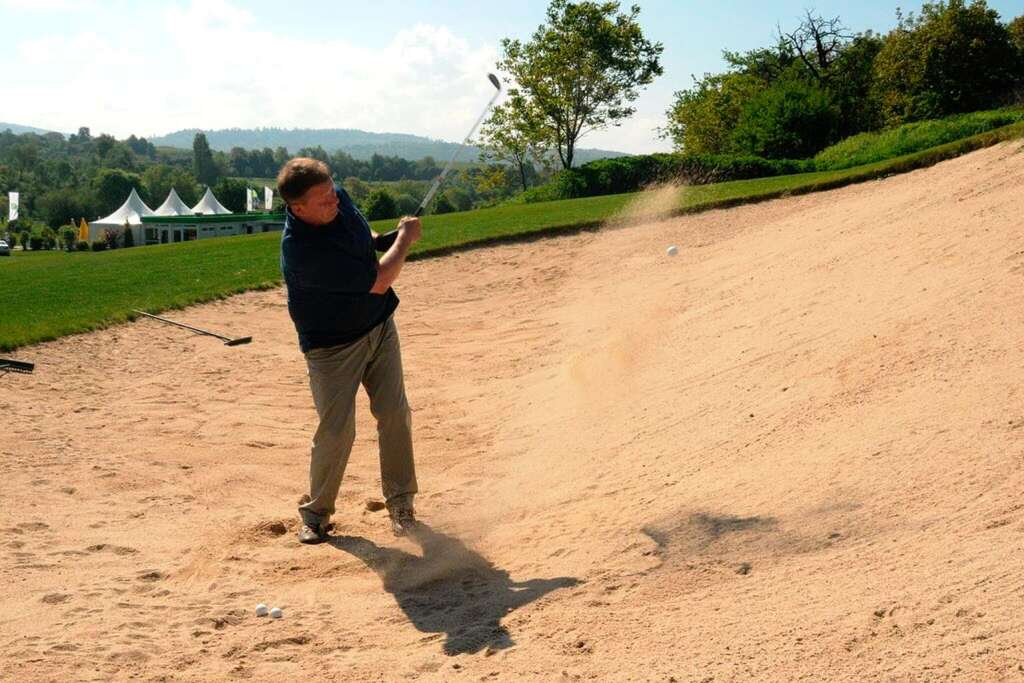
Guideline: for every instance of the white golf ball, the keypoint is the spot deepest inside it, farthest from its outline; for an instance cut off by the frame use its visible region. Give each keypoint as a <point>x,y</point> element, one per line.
<point>672,251</point>
<point>276,613</point>
<point>261,610</point>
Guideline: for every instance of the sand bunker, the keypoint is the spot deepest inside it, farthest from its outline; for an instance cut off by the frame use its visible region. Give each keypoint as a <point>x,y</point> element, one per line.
<point>792,451</point>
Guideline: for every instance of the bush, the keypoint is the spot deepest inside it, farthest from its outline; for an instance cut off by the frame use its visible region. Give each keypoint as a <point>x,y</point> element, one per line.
<point>69,236</point>
<point>791,119</point>
<point>82,246</point>
<point>443,205</point>
<point>406,205</point>
<point>380,205</point>
<point>112,237</point>
<point>629,174</point>
<point>868,148</point>
<point>36,242</point>
<point>129,238</point>
<point>98,245</point>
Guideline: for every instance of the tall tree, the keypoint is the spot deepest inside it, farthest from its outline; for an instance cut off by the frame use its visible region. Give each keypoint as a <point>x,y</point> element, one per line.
<point>954,57</point>
<point>112,187</point>
<point>202,160</point>
<point>514,134</point>
<point>818,42</point>
<point>582,68</point>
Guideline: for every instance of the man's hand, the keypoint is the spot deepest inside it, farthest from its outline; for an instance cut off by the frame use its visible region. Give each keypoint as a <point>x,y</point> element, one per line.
<point>410,229</point>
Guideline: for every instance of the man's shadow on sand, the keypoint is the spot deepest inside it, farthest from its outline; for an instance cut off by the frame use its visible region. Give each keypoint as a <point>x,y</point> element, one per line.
<point>450,589</point>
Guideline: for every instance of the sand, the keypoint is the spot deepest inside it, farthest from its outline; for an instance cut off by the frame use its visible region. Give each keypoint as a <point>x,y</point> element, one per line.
<point>792,452</point>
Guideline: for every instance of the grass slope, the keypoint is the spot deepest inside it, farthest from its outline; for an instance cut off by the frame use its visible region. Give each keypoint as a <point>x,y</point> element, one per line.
<point>46,295</point>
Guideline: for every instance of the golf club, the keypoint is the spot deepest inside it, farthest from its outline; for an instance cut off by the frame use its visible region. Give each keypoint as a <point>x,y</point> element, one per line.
<point>228,341</point>
<point>440,179</point>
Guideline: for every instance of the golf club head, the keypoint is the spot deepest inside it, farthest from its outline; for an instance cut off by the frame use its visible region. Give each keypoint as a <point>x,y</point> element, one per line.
<point>237,342</point>
<point>494,81</point>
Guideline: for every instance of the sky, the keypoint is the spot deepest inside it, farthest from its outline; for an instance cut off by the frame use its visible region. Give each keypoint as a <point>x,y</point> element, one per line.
<point>412,66</point>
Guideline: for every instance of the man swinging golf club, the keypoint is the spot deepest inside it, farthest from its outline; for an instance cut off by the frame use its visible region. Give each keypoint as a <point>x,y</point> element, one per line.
<point>341,301</point>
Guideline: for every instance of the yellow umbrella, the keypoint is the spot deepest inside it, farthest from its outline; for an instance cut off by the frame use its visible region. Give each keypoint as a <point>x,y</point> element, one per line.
<point>83,232</point>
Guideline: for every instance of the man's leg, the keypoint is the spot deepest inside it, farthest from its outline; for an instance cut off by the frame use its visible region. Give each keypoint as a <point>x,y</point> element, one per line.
<point>334,376</point>
<point>385,385</point>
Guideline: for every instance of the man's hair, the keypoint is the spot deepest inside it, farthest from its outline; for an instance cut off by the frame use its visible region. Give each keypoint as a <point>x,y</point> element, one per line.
<point>300,174</point>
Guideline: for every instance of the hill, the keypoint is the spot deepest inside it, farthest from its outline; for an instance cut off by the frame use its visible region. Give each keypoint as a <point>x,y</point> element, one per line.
<point>358,143</point>
<point>18,130</point>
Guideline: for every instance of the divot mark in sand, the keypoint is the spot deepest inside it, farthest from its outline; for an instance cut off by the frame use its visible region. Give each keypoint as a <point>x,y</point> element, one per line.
<point>268,644</point>
<point>116,549</point>
<point>55,598</point>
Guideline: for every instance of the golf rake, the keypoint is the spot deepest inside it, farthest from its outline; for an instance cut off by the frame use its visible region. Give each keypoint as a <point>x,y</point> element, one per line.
<point>8,365</point>
<point>228,341</point>
<point>440,179</point>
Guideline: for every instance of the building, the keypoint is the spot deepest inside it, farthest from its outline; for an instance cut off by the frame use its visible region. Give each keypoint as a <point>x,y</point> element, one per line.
<point>169,229</point>
<point>174,221</point>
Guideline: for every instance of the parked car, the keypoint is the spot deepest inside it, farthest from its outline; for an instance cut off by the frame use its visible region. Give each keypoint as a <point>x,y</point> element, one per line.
<point>4,249</point>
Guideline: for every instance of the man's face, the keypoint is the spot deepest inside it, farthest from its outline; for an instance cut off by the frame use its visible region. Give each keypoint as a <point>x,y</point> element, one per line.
<point>318,206</point>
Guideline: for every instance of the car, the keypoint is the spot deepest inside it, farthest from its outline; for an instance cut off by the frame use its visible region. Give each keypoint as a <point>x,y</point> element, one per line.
<point>4,249</point>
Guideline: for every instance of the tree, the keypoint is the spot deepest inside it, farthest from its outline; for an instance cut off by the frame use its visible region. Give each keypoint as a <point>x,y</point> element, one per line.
<point>852,85</point>
<point>702,118</point>
<point>158,180</point>
<point>791,119</point>
<point>61,206</point>
<point>203,165</point>
<point>818,43</point>
<point>513,133</point>
<point>231,193</point>
<point>581,69</point>
<point>129,237</point>
<point>1016,30</point>
<point>955,57</point>
<point>112,187</point>
<point>379,205</point>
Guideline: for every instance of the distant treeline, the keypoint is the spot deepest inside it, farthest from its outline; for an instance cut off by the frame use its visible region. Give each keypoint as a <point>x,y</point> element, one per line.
<point>84,176</point>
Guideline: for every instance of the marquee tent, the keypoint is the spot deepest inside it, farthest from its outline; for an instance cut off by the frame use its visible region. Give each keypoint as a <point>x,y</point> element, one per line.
<point>173,206</point>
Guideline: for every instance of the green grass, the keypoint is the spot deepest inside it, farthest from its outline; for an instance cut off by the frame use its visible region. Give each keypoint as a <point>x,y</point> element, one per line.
<point>45,295</point>
<point>868,148</point>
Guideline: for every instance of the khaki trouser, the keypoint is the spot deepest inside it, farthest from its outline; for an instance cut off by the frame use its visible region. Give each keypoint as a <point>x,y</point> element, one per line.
<point>334,377</point>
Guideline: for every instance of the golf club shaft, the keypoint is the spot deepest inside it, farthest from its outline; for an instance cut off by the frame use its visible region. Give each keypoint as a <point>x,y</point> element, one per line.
<point>440,179</point>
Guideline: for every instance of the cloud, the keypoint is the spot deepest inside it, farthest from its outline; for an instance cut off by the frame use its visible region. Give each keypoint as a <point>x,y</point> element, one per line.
<point>211,64</point>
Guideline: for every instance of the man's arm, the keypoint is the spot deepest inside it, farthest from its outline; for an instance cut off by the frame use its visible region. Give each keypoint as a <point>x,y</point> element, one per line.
<point>409,230</point>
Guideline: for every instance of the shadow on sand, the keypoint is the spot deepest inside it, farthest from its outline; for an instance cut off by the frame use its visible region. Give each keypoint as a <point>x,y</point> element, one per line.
<point>450,589</point>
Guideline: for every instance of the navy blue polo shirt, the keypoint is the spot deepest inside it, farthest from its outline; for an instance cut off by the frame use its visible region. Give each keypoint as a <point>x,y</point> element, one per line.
<point>329,271</point>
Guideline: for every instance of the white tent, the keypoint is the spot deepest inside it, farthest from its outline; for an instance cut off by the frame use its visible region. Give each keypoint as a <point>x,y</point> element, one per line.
<point>209,205</point>
<point>173,206</point>
<point>131,212</point>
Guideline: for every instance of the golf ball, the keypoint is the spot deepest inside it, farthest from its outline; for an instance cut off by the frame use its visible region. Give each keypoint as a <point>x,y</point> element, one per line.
<point>672,251</point>
<point>276,613</point>
<point>261,610</point>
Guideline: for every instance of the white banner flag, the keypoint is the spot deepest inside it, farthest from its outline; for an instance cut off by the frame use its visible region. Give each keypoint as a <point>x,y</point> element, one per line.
<point>12,206</point>
<point>248,199</point>
<point>268,198</point>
